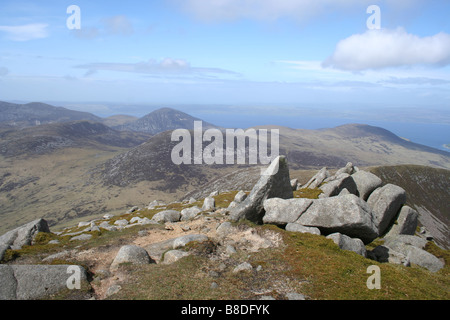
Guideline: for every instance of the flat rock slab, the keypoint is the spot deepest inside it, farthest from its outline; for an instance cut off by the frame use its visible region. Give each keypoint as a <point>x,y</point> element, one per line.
<point>184,240</point>
<point>347,214</point>
<point>281,211</point>
<point>28,282</point>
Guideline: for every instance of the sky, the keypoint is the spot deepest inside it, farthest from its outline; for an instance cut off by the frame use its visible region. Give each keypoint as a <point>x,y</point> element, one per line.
<point>261,54</point>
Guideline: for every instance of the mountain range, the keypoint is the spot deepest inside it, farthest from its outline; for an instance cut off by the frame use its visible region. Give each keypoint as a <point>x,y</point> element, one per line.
<point>76,165</point>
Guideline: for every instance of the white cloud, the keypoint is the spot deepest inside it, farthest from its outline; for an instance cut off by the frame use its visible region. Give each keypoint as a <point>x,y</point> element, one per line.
<point>378,49</point>
<point>26,32</point>
<point>165,66</point>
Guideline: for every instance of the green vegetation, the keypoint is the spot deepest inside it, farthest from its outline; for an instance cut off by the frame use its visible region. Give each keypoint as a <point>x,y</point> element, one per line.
<point>308,193</point>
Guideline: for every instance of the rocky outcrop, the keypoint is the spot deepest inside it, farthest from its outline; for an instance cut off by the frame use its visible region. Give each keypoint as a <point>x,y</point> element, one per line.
<point>345,214</point>
<point>386,203</point>
<point>273,183</point>
<point>24,235</point>
<point>29,282</point>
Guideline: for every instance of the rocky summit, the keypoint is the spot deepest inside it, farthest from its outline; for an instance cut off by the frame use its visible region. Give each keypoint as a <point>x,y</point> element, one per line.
<point>271,242</point>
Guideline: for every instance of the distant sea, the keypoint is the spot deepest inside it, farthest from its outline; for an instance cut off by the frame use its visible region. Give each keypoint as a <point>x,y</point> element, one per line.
<point>429,134</point>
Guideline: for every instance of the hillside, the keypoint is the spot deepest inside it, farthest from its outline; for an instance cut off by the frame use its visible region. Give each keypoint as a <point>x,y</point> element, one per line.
<point>305,149</point>
<point>47,138</point>
<point>161,120</point>
<point>165,252</point>
<point>35,113</point>
<point>428,192</point>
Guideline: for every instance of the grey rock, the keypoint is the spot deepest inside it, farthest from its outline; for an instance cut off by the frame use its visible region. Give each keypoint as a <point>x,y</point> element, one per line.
<point>214,193</point>
<point>343,192</point>
<point>184,240</point>
<point>132,209</point>
<point>230,249</point>
<point>167,216</point>
<point>240,196</point>
<point>424,259</point>
<point>245,266</point>
<point>105,225</point>
<point>209,203</point>
<point>190,213</point>
<point>233,204</point>
<point>108,216</point>
<point>29,282</point>
<point>131,254</point>
<point>24,235</point>
<point>225,229</point>
<point>214,285</point>
<point>192,200</point>
<point>348,169</point>
<point>346,243</point>
<point>81,237</point>
<point>401,242</point>
<point>281,212</point>
<point>295,227</point>
<point>121,223</point>
<point>113,289</point>
<point>136,220</point>
<point>317,179</point>
<point>83,224</point>
<point>156,250</point>
<point>386,203</point>
<point>8,283</point>
<point>386,254</point>
<point>267,298</point>
<point>174,255</point>
<point>366,183</point>
<point>294,183</point>
<point>348,215</point>
<point>156,203</point>
<point>273,183</point>
<point>342,181</point>
<point>406,222</point>
<point>295,296</point>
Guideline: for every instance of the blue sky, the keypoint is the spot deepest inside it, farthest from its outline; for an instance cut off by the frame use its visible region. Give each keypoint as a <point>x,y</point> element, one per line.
<point>292,53</point>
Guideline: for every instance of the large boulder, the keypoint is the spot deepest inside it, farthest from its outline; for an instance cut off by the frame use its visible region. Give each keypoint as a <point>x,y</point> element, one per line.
<point>28,282</point>
<point>167,216</point>
<point>346,243</point>
<point>340,182</point>
<point>273,183</point>
<point>346,214</point>
<point>407,249</point>
<point>317,179</point>
<point>406,222</point>
<point>385,203</point>
<point>281,212</point>
<point>131,254</point>
<point>24,235</point>
<point>190,213</point>
<point>366,183</point>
